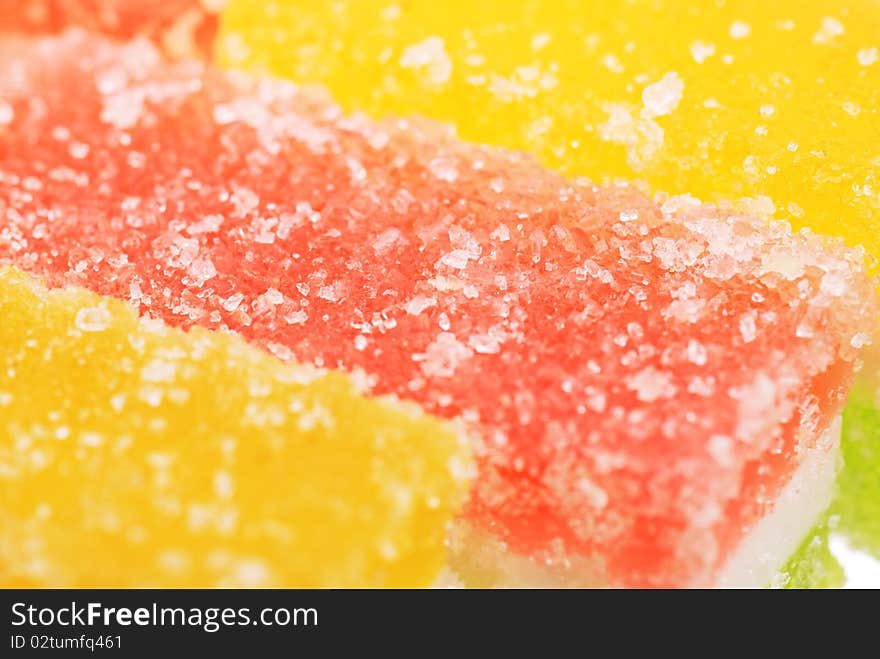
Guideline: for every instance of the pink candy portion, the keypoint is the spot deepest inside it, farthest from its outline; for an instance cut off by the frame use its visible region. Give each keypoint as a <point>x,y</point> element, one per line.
<point>639,377</point>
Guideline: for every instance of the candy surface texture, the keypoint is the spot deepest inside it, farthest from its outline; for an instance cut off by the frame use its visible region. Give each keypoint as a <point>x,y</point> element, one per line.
<point>772,106</point>
<point>641,377</point>
<point>132,454</point>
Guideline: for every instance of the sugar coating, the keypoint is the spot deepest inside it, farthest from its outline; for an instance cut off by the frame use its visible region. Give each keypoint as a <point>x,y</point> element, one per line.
<point>725,100</point>
<point>774,103</point>
<point>641,375</point>
<point>180,27</point>
<point>133,455</point>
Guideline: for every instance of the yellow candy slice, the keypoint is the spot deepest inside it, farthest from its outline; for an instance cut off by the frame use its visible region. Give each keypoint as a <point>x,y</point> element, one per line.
<point>776,102</point>
<point>132,454</point>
